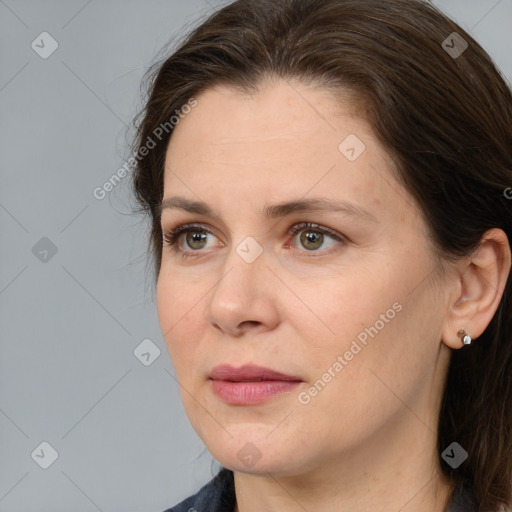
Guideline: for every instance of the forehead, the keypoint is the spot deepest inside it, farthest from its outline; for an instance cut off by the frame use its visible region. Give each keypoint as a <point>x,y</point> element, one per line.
<point>278,107</point>
<point>280,143</point>
<point>282,123</point>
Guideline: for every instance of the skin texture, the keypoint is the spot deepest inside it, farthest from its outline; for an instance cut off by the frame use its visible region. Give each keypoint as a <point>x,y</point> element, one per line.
<point>367,440</point>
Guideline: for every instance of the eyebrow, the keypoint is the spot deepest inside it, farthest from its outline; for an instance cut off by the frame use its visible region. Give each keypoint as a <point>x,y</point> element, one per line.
<point>271,211</point>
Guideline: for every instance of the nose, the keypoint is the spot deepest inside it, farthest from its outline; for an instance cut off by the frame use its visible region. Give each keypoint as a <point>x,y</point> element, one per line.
<point>244,298</point>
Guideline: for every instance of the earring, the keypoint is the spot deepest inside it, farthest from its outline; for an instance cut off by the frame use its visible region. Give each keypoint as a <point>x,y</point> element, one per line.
<point>465,337</point>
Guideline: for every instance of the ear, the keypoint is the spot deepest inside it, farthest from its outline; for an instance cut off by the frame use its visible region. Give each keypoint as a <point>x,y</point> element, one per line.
<point>482,277</point>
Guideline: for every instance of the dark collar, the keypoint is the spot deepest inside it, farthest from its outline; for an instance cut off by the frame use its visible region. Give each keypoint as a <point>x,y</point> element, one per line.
<point>218,495</point>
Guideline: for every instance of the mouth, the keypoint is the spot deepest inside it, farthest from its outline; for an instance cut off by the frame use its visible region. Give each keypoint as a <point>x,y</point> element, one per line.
<point>250,373</point>
<point>250,385</point>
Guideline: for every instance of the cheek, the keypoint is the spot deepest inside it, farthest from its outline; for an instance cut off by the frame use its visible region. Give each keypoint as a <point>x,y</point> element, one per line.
<point>365,326</point>
<point>381,355</point>
<point>345,306</point>
<point>354,379</point>
<point>179,309</point>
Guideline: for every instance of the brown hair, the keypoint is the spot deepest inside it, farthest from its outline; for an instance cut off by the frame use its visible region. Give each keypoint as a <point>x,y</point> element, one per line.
<point>446,120</point>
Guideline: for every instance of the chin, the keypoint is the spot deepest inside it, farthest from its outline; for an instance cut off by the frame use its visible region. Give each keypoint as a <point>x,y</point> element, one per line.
<point>260,457</point>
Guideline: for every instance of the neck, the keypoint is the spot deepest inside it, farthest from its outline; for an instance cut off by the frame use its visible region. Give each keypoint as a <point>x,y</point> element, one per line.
<point>397,470</point>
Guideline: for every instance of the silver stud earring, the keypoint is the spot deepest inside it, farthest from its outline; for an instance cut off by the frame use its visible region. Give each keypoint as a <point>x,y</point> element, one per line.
<point>465,337</point>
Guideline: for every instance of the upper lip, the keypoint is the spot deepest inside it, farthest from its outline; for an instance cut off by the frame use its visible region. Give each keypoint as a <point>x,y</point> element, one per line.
<point>248,373</point>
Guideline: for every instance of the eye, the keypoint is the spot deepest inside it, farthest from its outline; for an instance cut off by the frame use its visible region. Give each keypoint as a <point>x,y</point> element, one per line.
<point>312,236</point>
<point>195,236</point>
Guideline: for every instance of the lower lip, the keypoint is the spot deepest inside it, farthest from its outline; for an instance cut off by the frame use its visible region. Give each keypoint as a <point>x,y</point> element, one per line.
<point>250,393</point>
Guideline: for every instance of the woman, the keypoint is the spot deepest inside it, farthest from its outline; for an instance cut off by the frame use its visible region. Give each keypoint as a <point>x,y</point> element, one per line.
<point>328,183</point>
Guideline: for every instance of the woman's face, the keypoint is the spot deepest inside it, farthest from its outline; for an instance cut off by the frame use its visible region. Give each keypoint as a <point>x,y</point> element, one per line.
<point>350,307</point>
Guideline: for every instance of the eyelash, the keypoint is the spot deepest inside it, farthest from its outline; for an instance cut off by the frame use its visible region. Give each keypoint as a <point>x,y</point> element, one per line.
<point>171,237</point>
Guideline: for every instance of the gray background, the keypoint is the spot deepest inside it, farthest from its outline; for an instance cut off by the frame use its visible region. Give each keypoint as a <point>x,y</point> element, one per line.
<point>70,323</point>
